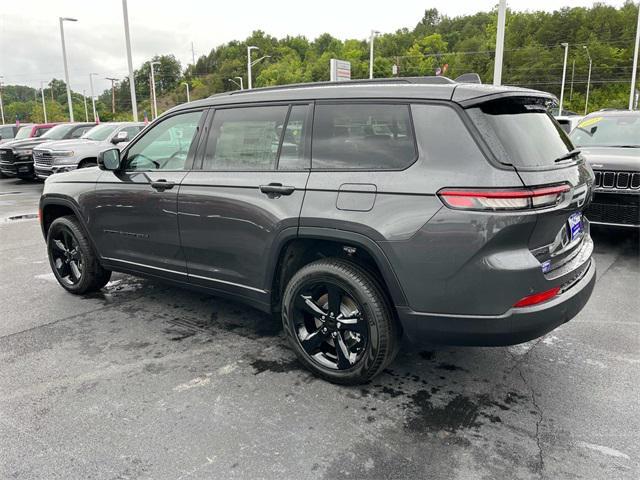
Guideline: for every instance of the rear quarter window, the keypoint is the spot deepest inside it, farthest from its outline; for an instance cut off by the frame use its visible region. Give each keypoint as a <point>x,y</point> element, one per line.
<point>520,132</point>
<point>362,136</point>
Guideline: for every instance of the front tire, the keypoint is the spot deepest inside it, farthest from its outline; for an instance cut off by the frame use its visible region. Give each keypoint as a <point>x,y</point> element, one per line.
<point>339,322</point>
<point>72,259</point>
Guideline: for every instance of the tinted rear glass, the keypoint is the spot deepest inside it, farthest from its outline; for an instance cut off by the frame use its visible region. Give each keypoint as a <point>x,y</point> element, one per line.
<point>360,136</point>
<point>608,131</point>
<point>521,132</point>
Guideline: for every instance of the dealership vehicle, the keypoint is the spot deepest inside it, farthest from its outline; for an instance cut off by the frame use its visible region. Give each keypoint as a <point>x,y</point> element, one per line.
<point>16,157</point>
<point>610,141</point>
<point>7,133</point>
<point>357,212</point>
<point>30,130</point>
<point>56,157</point>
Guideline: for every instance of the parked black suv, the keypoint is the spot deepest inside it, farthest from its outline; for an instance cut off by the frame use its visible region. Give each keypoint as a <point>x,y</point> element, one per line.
<point>357,211</point>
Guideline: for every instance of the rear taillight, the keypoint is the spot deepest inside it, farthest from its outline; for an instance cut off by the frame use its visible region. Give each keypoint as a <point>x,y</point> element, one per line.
<point>503,198</point>
<point>537,298</point>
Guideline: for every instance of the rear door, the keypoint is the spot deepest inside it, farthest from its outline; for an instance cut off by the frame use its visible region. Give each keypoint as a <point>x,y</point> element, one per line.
<point>521,133</point>
<point>246,195</point>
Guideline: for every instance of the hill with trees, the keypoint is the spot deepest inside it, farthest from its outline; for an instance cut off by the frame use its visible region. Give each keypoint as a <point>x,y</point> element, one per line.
<point>533,58</point>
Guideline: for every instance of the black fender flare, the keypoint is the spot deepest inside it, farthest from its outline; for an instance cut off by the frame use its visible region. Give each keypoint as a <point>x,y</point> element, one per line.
<point>55,199</point>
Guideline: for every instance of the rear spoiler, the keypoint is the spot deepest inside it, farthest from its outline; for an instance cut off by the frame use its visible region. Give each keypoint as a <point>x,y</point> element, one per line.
<point>467,95</point>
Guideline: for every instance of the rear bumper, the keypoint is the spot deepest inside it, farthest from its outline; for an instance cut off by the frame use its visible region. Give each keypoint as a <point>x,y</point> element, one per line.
<point>516,326</point>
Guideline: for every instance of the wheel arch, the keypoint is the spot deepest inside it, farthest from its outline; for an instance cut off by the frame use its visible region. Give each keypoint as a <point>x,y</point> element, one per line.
<point>297,247</point>
<point>56,207</point>
<point>87,160</point>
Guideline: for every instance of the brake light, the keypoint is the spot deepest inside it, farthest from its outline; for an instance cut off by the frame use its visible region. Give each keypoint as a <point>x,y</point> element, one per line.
<point>537,298</point>
<point>503,198</point>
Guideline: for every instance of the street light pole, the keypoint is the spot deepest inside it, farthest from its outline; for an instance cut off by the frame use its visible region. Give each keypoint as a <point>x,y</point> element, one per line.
<point>373,36</point>
<point>187,85</point>
<point>153,89</point>
<point>132,81</point>
<point>497,64</point>
<point>44,105</point>
<point>66,68</point>
<point>241,85</point>
<point>564,75</point>
<point>249,64</point>
<point>93,98</point>
<point>586,101</point>
<point>632,93</point>
<point>86,111</point>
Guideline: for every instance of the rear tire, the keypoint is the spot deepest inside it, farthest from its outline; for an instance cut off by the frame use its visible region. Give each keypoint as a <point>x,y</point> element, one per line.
<point>339,321</point>
<point>72,259</point>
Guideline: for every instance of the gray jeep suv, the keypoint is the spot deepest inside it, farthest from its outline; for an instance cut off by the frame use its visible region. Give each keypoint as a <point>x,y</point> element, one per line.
<point>357,212</point>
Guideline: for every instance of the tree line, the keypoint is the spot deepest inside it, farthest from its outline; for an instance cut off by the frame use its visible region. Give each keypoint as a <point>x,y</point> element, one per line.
<point>533,58</point>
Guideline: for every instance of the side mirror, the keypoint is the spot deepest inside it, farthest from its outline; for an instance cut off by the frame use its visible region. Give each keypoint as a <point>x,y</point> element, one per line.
<point>120,137</point>
<point>109,159</point>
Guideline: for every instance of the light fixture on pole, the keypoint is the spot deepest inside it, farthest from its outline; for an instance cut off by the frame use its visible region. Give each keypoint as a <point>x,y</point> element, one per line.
<point>93,98</point>
<point>132,80</point>
<point>187,85</point>
<point>241,85</point>
<point>153,89</point>
<point>497,63</point>
<point>44,105</point>
<point>373,36</point>
<point>66,68</point>
<point>249,64</point>
<point>86,111</point>
<point>1,106</point>
<point>564,75</point>
<point>632,93</point>
<point>586,100</point>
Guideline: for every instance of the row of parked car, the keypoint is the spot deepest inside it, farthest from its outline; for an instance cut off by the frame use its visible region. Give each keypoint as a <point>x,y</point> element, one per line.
<point>31,151</point>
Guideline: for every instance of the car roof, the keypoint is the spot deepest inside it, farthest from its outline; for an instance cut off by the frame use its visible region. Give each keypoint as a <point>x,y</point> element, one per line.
<point>615,113</point>
<point>416,88</point>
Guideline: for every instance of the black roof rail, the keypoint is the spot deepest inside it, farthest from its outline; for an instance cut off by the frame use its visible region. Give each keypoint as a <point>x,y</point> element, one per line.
<point>431,80</point>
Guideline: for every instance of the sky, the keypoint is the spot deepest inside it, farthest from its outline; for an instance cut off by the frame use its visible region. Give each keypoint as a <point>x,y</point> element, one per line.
<point>30,47</point>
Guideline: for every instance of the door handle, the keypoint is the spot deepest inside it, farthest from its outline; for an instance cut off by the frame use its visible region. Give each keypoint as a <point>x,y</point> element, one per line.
<point>274,190</point>
<point>161,185</point>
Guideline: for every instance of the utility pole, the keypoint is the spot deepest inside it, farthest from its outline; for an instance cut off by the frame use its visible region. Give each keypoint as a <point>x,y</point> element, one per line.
<point>1,106</point>
<point>586,101</point>
<point>564,75</point>
<point>373,36</point>
<point>573,71</point>
<point>86,111</point>
<point>497,65</point>
<point>132,80</point>
<point>113,93</point>
<point>632,93</point>
<point>153,88</point>
<point>44,105</point>
<point>66,68</point>
<point>187,85</point>
<point>249,48</point>
<point>93,98</point>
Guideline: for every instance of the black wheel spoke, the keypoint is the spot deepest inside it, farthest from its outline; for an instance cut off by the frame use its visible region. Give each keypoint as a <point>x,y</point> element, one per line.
<point>359,327</point>
<point>75,271</point>
<point>342,352</point>
<point>62,267</point>
<point>335,298</point>
<point>59,246</point>
<point>312,342</point>
<point>306,303</point>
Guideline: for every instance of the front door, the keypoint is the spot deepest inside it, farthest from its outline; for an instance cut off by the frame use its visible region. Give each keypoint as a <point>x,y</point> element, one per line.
<point>136,225</point>
<point>248,192</point>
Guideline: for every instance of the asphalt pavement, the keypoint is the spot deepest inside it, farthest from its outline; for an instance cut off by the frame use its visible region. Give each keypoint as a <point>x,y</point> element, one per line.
<point>144,380</point>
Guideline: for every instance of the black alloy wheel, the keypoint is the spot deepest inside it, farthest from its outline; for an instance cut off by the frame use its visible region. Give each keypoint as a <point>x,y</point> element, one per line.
<point>66,257</point>
<point>330,325</point>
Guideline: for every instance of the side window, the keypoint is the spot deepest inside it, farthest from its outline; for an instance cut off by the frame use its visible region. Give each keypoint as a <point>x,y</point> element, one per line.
<point>131,131</point>
<point>245,138</point>
<point>40,131</point>
<point>166,145</point>
<point>78,132</point>
<point>363,136</point>
<point>292,152</point>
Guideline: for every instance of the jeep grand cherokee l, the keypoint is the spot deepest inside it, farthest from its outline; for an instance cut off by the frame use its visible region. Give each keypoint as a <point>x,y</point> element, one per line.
<point>357,212</point>
<point>610,141</point>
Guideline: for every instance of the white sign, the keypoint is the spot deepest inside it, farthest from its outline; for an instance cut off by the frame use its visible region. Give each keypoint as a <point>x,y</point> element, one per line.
<point>340,70</point>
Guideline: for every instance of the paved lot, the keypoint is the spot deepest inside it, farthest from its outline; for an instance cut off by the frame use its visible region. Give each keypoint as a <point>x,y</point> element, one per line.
<point>149,381</point>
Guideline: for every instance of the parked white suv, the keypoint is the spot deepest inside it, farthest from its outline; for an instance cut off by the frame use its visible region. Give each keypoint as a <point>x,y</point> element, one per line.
<point>65,155</point>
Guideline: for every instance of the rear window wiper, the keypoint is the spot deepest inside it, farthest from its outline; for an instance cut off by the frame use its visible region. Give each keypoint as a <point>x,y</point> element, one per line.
<point>567,156</point>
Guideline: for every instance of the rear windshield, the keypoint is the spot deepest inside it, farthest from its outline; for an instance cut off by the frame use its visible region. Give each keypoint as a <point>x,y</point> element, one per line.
<point>521,132</point>
<point>100,132</point>
<point>608,131</point>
